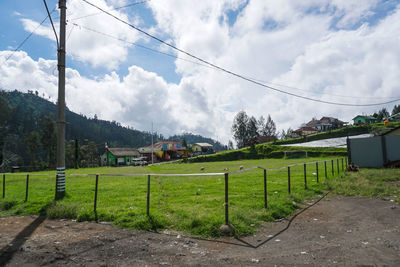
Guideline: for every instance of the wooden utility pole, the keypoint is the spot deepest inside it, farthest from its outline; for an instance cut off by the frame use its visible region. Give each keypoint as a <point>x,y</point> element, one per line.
<point>60,181</point>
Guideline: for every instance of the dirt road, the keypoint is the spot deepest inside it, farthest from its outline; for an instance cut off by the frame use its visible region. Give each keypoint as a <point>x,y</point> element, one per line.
<point>334,232</point>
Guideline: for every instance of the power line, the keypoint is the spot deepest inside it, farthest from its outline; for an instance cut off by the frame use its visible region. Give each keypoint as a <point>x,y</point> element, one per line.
<point>231,72</point>
<point>139,45</point>
<point>27,37</point>
<point>203,65</point>
<point>116,8</point>
<point>52,25</point>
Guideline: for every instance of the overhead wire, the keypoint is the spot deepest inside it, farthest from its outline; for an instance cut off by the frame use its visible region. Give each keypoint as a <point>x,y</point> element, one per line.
<point>207,66</point>
<point>231,72</point>
<point>27,37</point>
<point>116,8</point>
<point>52,24</point>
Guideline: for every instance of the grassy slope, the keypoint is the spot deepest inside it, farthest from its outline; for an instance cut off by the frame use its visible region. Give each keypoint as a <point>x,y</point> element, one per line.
<point>191,204</point>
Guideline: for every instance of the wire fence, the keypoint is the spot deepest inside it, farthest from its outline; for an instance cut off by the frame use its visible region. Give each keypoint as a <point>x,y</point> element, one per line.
<point>301,176</point>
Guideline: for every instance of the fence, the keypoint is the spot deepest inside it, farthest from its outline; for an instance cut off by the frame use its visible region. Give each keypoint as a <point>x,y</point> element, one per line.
<point>299,177</point>
<point>374,152</point>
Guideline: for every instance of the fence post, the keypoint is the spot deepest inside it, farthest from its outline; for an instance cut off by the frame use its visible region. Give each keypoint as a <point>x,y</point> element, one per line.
<point>316,165</point>
<point>326,173</point>
<point>265,189</point>
<point>342,165</point>
<point>95,193</point>
<point>27,186</point>
<point>288,177</point>
<point>226,200</point>
<point>305,176</point>
<point>4,185</point>
<point>55,192</point>
<point>148,196</point>
<point>337,165</point>
<point>333,169</point>
<point>347,165</point>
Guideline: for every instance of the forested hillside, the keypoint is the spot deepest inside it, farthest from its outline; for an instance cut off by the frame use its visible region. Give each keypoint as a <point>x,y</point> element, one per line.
<point>28,133</point>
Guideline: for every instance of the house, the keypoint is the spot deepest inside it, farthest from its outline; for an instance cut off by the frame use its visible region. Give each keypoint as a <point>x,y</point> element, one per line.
<point>119,156</point>
<point>394,117</point>
<point>164,150</point>
<point>202,148</point>
<point>303,131</point>
<point>325,124</point>
<point>363,119</point>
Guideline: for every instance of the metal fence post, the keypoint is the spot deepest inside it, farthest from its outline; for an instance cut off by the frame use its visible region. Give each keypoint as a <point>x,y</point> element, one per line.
<point>4,185</point>
<point>333,169</point>
<point>265,188</point>
<point>326,173</point>
<point>148,196</point>
<point>305,176</point>
<point>342,165</point>
<point>288,175</point>
<point>226,200</point>
<point>27,186</point>
<point>316,166</point>
<point>95,193</point>
<point>337,165</point>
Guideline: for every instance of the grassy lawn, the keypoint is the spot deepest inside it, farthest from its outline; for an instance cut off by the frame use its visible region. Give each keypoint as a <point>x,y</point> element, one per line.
<point>368,183</point>
<point>192,204</point>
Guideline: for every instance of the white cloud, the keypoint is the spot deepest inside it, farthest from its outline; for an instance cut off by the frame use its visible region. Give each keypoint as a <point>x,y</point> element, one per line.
<point>295,43</point>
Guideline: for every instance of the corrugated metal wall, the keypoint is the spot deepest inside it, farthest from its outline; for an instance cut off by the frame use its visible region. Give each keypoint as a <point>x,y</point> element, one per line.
<point>374,152</point>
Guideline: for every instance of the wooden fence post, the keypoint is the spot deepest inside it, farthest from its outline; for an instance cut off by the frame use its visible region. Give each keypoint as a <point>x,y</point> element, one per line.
<point>95,193</point>
<point>265,189</point>
<point>326,173</point>
<point>305,176</point>
<point>288,169</point>
<point>333,169</point>
<point>342,165</point>
<point>27,187</point>
<point>148,196</point>
<point>4,185</point>
<point>337,165</point>
<point>316,166</point>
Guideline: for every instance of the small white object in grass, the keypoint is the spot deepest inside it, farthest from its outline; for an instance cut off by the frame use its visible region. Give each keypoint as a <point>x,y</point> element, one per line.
<point>277,240</point>
<point>276,192</point>
<point>303,253</point>
<point>270,236</point>
<point>315,219</point>
<point>349,231</point>
<point>322,236</point>
<point>314,173</point>
<point>364,243</point>
<point>255,260</point>
<point>178,236</point>
<point>241,167</point>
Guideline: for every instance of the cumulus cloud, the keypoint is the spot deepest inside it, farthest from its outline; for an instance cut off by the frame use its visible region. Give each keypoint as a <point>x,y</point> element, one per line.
<point>326,49</point>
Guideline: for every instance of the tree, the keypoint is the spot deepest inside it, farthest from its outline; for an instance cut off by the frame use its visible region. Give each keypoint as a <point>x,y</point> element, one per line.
<point>252,129</point>
<point>239,129</point>
<point>396,109</point>
<point>282,135</point>
<point>48,138</point>
<point>268,128</point>
<point>230,145</point>
<point>289,132</point>
<point>32,145</point>
<point>382,114</point>
<point>184,143</point>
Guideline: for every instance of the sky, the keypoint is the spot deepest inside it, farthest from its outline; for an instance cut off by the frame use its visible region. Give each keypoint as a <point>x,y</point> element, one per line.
<point>342,51</point>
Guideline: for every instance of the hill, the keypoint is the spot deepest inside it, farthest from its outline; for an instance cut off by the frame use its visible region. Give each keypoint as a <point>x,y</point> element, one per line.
<point>27,128</point>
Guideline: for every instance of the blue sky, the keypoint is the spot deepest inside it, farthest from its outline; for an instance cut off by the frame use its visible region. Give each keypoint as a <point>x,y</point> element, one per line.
<point>318,49</point>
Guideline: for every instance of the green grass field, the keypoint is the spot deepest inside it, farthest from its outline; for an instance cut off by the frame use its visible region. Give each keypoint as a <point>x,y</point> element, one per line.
<point>192,204</point>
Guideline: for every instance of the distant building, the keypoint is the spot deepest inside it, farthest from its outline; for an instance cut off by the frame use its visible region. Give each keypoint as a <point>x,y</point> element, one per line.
<point>325,124</point>
<point>363,119</point>
<point>164,150</point>
<point>119,156</point>
<point>303,131</point>
<point>202,148</point>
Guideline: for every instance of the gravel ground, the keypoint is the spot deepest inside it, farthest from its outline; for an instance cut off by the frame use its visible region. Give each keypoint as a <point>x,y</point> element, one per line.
<point>336,231</point>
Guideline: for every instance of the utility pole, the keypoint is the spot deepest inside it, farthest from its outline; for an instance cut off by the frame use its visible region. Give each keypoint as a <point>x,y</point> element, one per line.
<point>60,181</point>
<point>152,145</point>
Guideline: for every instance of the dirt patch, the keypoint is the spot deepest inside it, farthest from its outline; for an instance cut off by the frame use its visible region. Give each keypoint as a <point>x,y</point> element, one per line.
<point>335,231</point>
